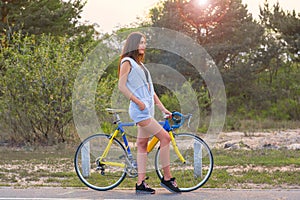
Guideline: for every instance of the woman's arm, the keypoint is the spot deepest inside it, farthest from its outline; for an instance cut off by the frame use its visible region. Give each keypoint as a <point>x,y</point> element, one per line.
<point>124,71</point>
<point>159,104</point>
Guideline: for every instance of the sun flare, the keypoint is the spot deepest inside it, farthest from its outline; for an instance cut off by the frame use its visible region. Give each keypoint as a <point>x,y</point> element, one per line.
<point>202,2</point>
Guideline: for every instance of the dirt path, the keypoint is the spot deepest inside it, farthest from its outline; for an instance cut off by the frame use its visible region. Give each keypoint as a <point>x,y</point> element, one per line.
<point>289,139</point>
<point>32,169</point>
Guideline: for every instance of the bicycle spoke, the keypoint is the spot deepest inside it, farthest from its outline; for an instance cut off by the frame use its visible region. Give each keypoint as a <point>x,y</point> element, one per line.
<point>199,162</point>
<point>97,174</point>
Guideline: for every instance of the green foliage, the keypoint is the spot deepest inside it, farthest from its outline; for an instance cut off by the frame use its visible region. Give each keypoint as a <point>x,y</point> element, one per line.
<point>182,99</point>
<point>269,98</point>
<point>36,87</point>
<point>224,28</point>
<point>258,60</point>
<point>170,101</point>
<point>287,24</point>
<point>104,94</point>
<point>232,123</point>
<point>284,109</point>
<point>187,100</point>
<point>55,17</point>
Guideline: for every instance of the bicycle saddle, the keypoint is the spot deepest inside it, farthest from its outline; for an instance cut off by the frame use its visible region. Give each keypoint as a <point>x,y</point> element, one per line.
<point>115,111</point>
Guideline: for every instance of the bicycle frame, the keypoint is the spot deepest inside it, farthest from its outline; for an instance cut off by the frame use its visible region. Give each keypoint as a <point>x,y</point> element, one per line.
<point>114,135</point>
<point>191,159</point>
<point>150,146</point>
<point>169,129</point>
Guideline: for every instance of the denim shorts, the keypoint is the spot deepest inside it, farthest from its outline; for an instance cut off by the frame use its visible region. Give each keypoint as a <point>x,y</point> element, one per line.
<point>138,115</point>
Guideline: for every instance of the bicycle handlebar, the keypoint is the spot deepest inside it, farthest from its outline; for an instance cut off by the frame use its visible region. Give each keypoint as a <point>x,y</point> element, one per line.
<point>179,119</point>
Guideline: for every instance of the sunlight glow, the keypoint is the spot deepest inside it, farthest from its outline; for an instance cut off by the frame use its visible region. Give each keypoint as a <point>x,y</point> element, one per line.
<point>202,2</point>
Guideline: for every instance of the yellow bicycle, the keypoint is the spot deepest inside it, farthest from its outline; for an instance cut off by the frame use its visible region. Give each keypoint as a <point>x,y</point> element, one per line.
<point>102,161</point>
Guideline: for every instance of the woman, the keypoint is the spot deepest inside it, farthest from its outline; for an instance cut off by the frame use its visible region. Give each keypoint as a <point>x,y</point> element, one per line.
<point>136,84</point>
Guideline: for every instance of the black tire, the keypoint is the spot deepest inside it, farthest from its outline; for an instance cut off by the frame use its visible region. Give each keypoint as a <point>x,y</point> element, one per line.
<point>199,164</point>
<point>101,177</point>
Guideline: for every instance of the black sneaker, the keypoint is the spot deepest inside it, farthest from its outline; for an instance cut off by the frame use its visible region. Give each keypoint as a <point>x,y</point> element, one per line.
<point>143,189</point>
<point>170,185</point>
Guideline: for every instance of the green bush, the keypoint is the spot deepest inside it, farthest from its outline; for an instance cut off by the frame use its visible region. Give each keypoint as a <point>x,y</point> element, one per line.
<point>170,101</point>
<point>37,77</point>
<point>285,109</point>
<point>232,123</point>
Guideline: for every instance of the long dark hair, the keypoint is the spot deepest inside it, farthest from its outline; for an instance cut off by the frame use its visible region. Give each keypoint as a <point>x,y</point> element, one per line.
<point>130,48</point>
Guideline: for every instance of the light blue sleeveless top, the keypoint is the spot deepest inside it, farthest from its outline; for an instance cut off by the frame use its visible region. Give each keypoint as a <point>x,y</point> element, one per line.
<point>138,86</point>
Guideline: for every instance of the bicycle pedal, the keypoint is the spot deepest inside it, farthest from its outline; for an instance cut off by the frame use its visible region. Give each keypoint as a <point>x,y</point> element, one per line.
<point>99,169</point>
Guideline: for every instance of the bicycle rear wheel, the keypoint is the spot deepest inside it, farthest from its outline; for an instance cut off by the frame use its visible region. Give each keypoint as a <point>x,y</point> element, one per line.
<point>198,167</point>
<point>96,174</point>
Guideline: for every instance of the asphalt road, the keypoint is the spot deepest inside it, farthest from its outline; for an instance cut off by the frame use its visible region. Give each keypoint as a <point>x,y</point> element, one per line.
<point>44,193</point>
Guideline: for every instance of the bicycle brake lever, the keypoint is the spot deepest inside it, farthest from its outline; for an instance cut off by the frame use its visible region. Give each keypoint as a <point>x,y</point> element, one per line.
<point>166,116</point>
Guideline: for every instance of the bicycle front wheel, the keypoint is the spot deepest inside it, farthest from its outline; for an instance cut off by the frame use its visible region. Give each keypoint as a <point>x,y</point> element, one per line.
<point>197,168</point>
<point>100,175</point>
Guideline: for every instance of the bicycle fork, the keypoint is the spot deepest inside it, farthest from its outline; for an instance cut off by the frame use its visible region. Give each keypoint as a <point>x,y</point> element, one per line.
<point>181,158</point>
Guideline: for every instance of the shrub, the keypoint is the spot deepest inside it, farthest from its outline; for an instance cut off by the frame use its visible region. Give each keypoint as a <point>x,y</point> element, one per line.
<point>37,77</point>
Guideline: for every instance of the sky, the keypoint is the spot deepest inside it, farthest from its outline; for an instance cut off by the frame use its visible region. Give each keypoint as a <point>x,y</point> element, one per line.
<point>111,14</point>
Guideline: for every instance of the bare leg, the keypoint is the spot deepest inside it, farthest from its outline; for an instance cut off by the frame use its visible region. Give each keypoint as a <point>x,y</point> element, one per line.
<point>141,158</point>
<point>142,142</point>
<point>145,129</point>
<point>165,139</point>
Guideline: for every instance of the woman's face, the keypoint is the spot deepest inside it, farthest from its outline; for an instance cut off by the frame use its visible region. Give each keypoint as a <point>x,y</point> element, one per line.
<point>142,46</point>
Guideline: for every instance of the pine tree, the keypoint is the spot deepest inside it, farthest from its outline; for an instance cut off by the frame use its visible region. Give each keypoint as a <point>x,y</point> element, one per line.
<point>56,17</point>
